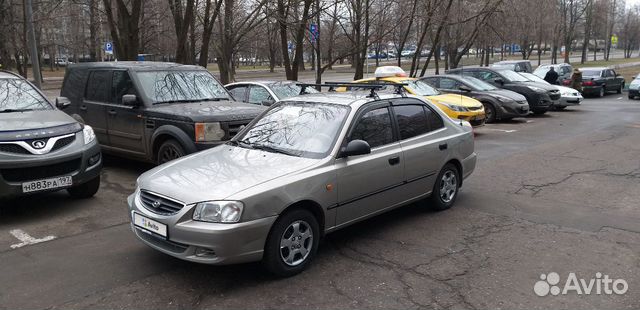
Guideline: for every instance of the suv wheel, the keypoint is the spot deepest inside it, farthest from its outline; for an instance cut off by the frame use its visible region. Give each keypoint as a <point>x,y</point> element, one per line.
<point>292,243</point>
<point>85,190</point>
<point>169,150</point>
<point>445,191</point>
<point>619,91</point>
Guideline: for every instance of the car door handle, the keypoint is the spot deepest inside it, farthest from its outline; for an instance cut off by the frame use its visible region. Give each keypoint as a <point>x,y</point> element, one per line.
<point>83,107</point>
<point>443,146</point>
<point>394,160</point>
<point>113,112</point>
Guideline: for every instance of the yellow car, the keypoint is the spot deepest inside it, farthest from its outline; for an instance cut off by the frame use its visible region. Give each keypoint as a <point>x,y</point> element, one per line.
<point>455,106</point>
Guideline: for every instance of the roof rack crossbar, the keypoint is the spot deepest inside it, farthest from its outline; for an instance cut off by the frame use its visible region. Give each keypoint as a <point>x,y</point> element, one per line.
<point>372,87</point>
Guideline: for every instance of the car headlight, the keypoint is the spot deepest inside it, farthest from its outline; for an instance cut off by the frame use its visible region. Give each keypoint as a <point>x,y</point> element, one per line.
<point>503,99</point>
<point>89,135</point>
<point>218,211</point>
<point>536,89</point>
<point>457,108</point>
<point>206,132</point>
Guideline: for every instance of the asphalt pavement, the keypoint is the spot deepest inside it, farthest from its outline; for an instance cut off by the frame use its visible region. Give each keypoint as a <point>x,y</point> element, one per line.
<point>552,193</point>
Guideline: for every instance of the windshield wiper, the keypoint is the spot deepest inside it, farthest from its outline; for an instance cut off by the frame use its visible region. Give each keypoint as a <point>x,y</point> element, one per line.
<point>273,149</point>
<point>15,110</point>
<point>240,144</point>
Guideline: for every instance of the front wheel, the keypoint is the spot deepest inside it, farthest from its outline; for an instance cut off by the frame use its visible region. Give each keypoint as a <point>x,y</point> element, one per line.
<point>445,191</point>
<point>85,190</point>
<point>169,150</point>
<point>292,243</point>
<point>490,112</point>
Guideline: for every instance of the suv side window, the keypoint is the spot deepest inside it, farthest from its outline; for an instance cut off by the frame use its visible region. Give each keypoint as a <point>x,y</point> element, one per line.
<point>258,94</point>
<point>486,75</point>
<point>98,86</point>
<point>239,92</point>
<point>446,83</point>
<point>375,127</point>
<point>121,85</point>
<point>412,120</point>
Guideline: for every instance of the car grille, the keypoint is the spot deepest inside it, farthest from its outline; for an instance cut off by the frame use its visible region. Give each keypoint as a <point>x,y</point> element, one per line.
<point>40,172</point>
<point>232,128</point>
<point>159,205</point>
<point>13,148</point>
<point>168,245</point>
<point>17,149</point>
<point>554,94</point>
<point>63,142</point>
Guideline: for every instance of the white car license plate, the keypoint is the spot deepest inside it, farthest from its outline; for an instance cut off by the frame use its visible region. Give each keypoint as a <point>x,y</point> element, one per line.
<point>149,225</point>
<point>46,184</point>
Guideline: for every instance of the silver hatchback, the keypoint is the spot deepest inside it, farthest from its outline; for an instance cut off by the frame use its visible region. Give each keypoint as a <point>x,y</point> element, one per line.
<point>307,166</point>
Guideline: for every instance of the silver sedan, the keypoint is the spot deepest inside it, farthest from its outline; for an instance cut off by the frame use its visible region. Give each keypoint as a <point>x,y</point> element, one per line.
<point>308,166</point>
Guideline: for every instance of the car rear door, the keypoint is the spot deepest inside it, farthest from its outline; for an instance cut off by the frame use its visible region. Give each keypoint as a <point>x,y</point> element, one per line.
<point>370,183</point>
<point>125,124</point>
<point>423,139</point>
<point>92,109</point>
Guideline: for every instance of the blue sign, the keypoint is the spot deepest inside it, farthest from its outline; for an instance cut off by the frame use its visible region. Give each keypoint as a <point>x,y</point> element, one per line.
<point>290,46</point>
<point>108,48</point>
<point>313,29</point>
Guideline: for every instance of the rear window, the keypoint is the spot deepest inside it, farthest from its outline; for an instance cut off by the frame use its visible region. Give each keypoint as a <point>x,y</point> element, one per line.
<point>588,72</point>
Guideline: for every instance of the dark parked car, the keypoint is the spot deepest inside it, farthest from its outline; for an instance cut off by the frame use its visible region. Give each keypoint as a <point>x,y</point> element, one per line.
<point>498,103</point>
<point>539,96</point>
<point>153,111</point>
<point>41,148</point>
<point>513,65</point>
<point>599,81</point>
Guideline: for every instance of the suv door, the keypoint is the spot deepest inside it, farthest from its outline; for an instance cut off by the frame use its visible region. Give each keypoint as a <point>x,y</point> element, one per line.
<point>382,168</point>
<point>125,124</point>
<point>92,108</point>
<point>423,140</point>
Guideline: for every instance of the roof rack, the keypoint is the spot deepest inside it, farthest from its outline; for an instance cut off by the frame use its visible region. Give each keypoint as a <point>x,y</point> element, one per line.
<point>373,87</point>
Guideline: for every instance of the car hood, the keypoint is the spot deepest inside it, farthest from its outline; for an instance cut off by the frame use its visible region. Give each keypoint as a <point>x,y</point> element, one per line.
<point>455,99</point>
<point>507,93</point>
<point>20,121</point>
<point>546,87</point>
<point>218,173</point>
<point>569,90</point>
<point>207,111</point>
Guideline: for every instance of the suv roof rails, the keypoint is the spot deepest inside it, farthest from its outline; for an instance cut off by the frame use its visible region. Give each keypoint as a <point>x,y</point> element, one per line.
<point>373,87</point>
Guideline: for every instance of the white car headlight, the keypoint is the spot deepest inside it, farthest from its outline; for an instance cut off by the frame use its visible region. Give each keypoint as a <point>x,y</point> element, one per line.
<point>88,134</point>
<point>634,85</point>
<point>218,211</point>
<point>536,89</point>
<point>457,108</point>
<point>206,132</point>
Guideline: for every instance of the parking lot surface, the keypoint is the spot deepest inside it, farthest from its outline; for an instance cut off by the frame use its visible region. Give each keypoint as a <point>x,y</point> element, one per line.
<point>552,193</point>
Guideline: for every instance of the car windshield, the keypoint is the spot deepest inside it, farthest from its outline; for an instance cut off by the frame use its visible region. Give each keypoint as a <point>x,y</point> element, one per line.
<point>296,128</point>
<point>173,86</point>
<point>533,78</point>
<point>287,90</point>
<point>477,84</point>
<point>513,76</point>
<point>542,71</point>
<point>587,72</point>
<point>421,88</point>
<point>18,95</point>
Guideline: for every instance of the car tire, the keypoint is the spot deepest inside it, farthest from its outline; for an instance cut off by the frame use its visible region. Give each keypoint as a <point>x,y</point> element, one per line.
<point>168,151</point>
<point>490,112</point>
<point>601,92</point>
<point>446,188</point>
<point>279,243</point>
<point>85,190</point>
<point>619,91</point>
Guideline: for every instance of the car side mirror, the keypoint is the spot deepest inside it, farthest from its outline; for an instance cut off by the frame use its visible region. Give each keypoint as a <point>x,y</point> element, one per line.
<point>498,81</point>
<point>464,88</point>
<point>62,102</point>
<point>130,100</point>
<point>268,102</point>
<point>355,147</point>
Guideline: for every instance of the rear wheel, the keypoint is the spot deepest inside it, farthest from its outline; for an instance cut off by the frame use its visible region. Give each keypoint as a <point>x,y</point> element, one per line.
<point>169,150</point>
<point>619,91</point>
<point>85,190</point>
<point>601,92</point>
<point>490,112</point>
<point>292,243</point>
<point>445,191</point>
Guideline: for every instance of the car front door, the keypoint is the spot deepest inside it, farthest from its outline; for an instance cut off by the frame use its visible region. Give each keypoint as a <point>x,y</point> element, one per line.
<point>125,124</point>
<point>370,183</point>
<point>423,139</point>
<point>92,109</point>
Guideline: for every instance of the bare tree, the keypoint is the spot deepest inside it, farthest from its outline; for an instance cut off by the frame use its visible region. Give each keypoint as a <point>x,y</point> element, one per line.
<point>124,26</point>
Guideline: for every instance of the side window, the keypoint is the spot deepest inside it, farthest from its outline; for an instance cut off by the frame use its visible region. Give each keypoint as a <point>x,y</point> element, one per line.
<point>435,82</point>
<point>98,86</point>
<point>435,121</point>
<point>412,120</point>
<point>612,73</point>
<point>486,76</point>
<point>258,94</point>
<point>239,93</point>
<point>374,127</point>
<point>121,85</point>
<point>446,83</point>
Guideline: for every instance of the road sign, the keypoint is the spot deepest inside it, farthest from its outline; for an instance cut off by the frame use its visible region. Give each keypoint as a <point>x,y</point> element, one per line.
<point>313,29</point>
<point>290,46</point>
<point>614,39</point>
<point>108,48</point>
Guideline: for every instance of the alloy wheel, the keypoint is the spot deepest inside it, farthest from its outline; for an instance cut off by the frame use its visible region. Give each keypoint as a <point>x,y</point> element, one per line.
<point>296,243</point>
<point>448,186</point>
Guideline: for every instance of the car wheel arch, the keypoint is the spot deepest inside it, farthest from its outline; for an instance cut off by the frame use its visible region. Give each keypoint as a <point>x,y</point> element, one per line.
<point>311,206</point>
<point>458,165</point>
<point>167,132</point>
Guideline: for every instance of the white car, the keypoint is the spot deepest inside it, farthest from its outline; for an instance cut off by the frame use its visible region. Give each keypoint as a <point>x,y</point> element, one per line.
<point>568,95</point>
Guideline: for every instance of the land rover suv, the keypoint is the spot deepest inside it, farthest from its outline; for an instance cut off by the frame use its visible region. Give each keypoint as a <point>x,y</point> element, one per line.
<point>41,148</point>
<point>153,111</point>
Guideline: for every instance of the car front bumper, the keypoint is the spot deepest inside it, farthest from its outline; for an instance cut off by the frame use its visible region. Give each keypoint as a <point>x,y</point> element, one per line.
<point>634,92</point>
<point>514,109</point>
<point>476,118</point>
<point>73,161</point>
<point>566,101</point>
<point>202,242</point>
<point>591,90</point>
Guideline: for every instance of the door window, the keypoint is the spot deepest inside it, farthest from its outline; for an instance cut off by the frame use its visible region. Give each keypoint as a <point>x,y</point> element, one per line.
<point>239,93</point>
<point>98,86</point>
<point>258,94</point>
<point>121,85</point>
<point>435,82</point>
<point>412,120</point>
<point>446,83</point>
<point>435,121</point>
<point>374,127</point>
<point>487,76</point>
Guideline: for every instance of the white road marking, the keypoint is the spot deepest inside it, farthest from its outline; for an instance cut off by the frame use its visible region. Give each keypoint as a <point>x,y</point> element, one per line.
<point>619,98</point>
<point>503,130</point>
<point>529,121</point>
<point>27,239</point>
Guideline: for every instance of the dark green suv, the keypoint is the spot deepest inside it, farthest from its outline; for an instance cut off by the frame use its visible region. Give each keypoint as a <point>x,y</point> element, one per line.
<point>153,111</point>
<point>41,148</point>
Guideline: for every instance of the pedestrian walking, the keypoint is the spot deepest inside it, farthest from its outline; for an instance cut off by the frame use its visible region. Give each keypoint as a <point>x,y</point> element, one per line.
<point>576,80</point>
<point>552,76</point>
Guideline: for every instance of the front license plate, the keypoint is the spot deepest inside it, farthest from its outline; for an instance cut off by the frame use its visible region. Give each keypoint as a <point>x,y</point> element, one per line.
<point>149,225</point>
<point>46,184</point>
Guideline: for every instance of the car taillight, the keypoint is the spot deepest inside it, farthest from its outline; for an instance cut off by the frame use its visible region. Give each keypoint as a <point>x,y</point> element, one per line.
<point>587,83</point>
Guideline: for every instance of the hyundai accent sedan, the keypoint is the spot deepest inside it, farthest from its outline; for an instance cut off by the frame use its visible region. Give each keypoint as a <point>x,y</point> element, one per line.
<point>308,166</point>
